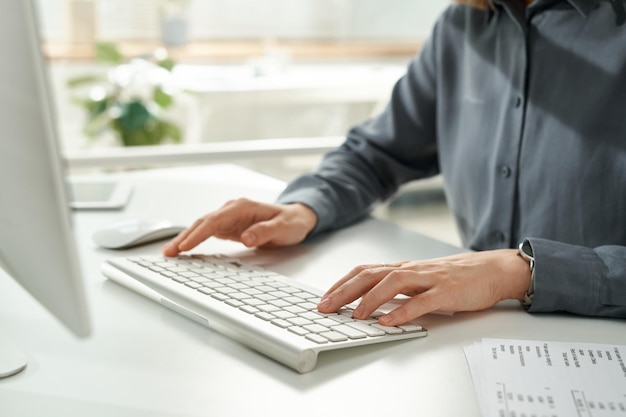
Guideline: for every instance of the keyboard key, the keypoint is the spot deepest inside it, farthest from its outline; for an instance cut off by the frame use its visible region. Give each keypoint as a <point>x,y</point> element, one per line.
<point>299,321</point>
<point>351,332</point>
<point>282,314</point>
<point>315,328</point>
<point>281,323</point>
<point>387,329</point>
<point>312,315</point>
<point>309,306</point>
<point>326,322</point>
<point>279,303</point>
<point>411,328</point>
<point>249,309</point>
<point>298,330</point>
<point>225,290</point>
<point>365,328</point>
<point>234,303</point>
<point>305,295</point>
<point>279,294</point>
<point>268,308</point>
<point>220,296</point>
<point>265,316</point>
<point>334,336</point>
<point>199,279</point>
<point>316,338</point>
<point>296,309</point>
<point>340,318</point>
<point>265,297</point>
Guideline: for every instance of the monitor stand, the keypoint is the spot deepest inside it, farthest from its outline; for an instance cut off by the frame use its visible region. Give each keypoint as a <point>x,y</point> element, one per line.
<point>12,360</point>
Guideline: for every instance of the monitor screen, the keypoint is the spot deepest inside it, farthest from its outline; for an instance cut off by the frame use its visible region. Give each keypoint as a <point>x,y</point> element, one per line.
<point>37,246</point>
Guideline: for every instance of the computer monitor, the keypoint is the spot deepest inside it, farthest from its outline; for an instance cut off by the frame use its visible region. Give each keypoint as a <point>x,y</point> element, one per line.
<point>37,246</point>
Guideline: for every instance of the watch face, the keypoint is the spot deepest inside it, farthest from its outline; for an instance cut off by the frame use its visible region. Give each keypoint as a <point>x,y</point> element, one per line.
<point>526,249</point>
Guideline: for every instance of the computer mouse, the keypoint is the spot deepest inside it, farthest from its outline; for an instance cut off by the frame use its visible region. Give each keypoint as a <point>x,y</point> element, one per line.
<point>130,233</point>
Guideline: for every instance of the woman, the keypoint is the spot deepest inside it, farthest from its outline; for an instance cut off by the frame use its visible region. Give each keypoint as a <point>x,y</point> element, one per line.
<point>520,106</point>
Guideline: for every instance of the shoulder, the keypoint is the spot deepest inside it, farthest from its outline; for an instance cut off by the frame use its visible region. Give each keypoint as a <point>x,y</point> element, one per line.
<point>457,23</point>
<point>461,16</point>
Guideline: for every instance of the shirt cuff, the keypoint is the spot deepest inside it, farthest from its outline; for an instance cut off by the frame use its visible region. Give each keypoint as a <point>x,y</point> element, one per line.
<point>567,278</point>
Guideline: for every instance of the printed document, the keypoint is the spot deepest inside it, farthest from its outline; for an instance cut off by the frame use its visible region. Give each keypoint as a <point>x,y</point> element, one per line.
<point>525,378</point>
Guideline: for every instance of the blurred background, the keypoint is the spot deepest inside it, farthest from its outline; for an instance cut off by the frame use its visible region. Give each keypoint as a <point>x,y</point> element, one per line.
<point>267,84</point>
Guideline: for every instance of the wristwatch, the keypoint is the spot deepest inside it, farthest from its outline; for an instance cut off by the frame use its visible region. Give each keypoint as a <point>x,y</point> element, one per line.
<point>526,251</point>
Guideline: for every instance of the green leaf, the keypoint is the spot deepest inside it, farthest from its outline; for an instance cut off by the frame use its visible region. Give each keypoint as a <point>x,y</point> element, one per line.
<point>172,131</point>
<point>96,125</point>
<point>167,63</point>
<point>81,101</point>
<point>96,107</point>
<point>108,52</point>
<point>162,98</point>
<point>83,80</point>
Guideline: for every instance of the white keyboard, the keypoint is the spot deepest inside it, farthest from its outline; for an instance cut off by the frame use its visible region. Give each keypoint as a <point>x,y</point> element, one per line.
<point>272,314</point>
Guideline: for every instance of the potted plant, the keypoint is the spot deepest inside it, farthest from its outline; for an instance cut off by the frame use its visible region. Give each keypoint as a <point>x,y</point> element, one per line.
<point>131,99</point>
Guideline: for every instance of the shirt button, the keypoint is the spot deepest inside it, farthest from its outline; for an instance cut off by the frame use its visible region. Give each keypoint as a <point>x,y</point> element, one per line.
<point>504,171</point>
<point>518,102</point>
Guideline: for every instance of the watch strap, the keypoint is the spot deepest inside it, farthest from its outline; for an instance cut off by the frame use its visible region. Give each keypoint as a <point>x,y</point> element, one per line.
<point>526,252</point>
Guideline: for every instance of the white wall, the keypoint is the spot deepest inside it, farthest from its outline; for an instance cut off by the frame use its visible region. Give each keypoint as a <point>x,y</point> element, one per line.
<point>304,19</point>
<point>315,18</point>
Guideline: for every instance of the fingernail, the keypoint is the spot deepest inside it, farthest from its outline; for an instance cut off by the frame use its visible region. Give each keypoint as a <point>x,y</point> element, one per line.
<point>385,320</point>
<point>324,303</point>
<point>358,312</point>
<point>249,239</point>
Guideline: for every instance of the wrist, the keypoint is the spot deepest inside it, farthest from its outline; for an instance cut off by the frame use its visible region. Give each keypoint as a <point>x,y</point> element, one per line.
<point>512,275</point>
<point>307,216</point>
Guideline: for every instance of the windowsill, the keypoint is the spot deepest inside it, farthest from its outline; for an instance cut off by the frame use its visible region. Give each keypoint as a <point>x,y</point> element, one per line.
<point>237,50</point>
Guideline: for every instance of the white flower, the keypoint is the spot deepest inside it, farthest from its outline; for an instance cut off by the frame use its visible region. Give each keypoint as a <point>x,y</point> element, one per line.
<point>138,79</point>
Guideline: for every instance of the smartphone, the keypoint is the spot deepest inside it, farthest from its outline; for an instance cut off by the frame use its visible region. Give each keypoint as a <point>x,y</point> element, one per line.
<point>98,194</point>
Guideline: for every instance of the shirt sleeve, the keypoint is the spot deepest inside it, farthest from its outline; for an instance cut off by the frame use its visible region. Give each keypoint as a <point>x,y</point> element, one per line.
<point>579,280</point>
<point>378,155</point>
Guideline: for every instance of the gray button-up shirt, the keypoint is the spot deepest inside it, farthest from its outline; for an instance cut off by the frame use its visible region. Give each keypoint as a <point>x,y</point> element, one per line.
<point>523,112</point>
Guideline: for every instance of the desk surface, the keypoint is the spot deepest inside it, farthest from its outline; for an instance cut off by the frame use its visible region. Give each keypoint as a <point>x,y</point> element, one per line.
<point>144,360</point>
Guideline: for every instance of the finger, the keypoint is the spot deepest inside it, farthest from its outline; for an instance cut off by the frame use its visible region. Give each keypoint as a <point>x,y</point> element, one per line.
<point>172,247</point>
<point>262,233</point>
<point>274,231</point>
<point>353,272</point>
<point>397,281</point>
<point>417,306</point>
<point>188,239</point>
<point>206,227</point>
<point>226,223</point>
<point>351,289</point>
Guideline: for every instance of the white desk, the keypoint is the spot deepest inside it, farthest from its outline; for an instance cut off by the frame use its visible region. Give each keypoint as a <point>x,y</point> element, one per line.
<point>294,84</point>
<point>235,102</point>
<point>144,360</point>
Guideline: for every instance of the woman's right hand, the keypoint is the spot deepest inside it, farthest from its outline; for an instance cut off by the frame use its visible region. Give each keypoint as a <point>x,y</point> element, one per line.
<point>249,222</point>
